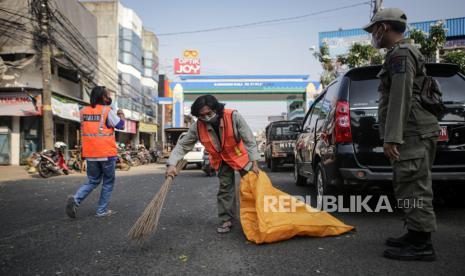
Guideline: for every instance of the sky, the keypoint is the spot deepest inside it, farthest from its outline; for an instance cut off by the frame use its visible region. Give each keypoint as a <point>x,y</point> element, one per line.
<point>279,48</point>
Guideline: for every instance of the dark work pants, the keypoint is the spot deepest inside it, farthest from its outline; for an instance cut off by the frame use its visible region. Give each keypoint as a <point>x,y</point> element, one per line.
<point>413,184</point>
<point>227,192</point>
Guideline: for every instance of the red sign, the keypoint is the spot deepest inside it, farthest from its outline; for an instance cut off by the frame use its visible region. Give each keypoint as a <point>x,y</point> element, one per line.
<point>186,66</point>
<point>20,104</point>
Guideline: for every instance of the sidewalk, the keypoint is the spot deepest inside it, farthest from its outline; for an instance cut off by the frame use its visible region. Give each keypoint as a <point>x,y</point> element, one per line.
<point>11,173</point>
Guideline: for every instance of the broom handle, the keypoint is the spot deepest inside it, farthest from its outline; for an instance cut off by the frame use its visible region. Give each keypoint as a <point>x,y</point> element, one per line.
<point>179,167</point>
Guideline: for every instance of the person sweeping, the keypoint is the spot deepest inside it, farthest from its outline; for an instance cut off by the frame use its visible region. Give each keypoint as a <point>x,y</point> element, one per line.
<point>231,147</point>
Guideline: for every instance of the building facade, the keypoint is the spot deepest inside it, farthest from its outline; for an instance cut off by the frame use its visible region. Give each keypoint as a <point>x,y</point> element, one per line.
<point>131,64</point>
<point>73,73</point>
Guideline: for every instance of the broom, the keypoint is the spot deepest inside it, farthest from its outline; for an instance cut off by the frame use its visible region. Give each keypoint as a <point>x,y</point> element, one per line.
<point>147,223</point>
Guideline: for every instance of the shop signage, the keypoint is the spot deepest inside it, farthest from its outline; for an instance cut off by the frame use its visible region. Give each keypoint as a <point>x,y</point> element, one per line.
<point>130,126</point>
<point>187,66</point>
<point>148,128</point>
<point>20,104</point>
<point>65,110</point>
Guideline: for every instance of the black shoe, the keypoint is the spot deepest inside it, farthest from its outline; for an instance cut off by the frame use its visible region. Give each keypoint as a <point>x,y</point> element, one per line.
<point>71,207</point>
<point>411,237</point>
<point>424,252</point>
<point>398,242</point>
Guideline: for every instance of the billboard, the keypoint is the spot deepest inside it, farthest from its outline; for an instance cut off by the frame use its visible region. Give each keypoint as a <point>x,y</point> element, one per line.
<point>186,66</point>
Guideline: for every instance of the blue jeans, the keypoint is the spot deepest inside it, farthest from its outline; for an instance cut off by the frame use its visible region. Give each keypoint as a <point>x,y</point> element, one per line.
<point>96,170</point>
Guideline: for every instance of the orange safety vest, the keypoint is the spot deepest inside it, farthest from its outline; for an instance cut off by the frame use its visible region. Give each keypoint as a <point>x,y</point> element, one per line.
<point>232,152</point>
<point>97,139</point>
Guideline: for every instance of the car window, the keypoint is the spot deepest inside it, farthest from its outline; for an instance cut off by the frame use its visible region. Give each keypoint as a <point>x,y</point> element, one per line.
<point>364,93</point>
<point>314,113</point>
<point>452,88</point>
<point>282,132</point>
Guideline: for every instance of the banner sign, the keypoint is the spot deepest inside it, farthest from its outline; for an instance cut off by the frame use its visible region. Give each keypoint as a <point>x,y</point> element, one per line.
<point>65,110</point>
<point>186,66</point>
<point>147,128</point>
<point>20,104</point>
<point>129,127</point>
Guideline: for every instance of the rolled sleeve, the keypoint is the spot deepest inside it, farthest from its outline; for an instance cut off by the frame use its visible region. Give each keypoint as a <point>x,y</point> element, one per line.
<point>183,146</point>
<point>246,135</point>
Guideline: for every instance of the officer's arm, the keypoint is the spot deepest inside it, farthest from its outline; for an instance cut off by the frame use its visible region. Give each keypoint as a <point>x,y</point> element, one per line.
<point>402,70</point>
<point>183,146</point>
<point>246,134</point>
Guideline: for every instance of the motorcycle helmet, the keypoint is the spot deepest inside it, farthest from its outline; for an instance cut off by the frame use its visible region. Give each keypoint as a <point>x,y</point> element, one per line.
<point>60,145</point>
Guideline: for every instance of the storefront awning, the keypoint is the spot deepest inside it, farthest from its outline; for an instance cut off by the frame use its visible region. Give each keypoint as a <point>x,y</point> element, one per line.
<point>20,104</point>
<point>147,128</point>
<point>65,109</point>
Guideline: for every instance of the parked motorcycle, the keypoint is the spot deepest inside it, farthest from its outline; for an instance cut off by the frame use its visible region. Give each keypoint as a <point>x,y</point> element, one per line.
<point>206,166</point>
<point>144,155</point>
<point>75,160</point>
<point>124,161</point>
<point>154,154</point>
<point>52,162</point>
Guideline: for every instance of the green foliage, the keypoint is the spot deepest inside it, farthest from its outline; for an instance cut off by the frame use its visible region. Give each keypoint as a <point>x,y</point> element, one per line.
<point>361,55</point>
<point>430,42</point>
<point>456,57</point>
<point>324,58</point>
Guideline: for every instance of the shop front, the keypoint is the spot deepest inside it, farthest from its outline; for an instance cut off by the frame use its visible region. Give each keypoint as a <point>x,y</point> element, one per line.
<point>66,121</point>
<point>20,125</point>
<point>127,135</point>
<point>147,134</point>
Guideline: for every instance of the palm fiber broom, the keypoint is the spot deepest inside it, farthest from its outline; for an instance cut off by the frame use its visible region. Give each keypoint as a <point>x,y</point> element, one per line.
<point>147,223</point>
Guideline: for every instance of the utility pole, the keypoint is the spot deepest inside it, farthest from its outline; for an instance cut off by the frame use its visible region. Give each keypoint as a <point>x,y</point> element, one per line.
<point>47,115</point>
<point>377,6</point>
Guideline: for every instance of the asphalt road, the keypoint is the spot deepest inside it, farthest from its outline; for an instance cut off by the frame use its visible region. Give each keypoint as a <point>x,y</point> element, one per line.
<point>36,237</point>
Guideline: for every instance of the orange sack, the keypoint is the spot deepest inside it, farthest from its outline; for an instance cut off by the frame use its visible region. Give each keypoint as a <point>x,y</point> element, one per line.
<point>264,222</point>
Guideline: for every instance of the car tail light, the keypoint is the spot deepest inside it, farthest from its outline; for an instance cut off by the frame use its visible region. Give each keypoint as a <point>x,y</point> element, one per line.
<point>342,129</point>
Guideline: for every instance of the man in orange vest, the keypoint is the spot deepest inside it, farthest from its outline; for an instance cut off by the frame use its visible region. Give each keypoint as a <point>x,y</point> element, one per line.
<point>231,147</point>
<point>98,122</point>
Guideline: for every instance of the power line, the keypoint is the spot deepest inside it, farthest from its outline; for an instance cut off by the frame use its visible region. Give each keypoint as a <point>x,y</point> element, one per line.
<point>284,19</point>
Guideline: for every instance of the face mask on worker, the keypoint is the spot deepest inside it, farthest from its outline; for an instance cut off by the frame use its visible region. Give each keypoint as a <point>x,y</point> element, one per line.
<point>377,38</point>
<point>210,119</point>
<point>108,100</point>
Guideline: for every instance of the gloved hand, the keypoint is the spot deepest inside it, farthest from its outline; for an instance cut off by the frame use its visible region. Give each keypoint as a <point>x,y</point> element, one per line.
<point>170,171</point>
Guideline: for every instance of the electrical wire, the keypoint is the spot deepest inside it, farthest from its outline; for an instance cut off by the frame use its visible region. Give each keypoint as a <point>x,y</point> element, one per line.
<point>264,22</point>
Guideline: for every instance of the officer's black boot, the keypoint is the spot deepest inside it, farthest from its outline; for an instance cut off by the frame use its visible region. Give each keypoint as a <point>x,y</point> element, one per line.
<point>403,240</point>
<point>418,247</point>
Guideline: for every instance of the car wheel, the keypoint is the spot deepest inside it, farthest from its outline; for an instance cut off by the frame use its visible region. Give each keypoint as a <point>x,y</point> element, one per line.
<point>299,180</point>
<point>273,164</point>
<point>321,184</point>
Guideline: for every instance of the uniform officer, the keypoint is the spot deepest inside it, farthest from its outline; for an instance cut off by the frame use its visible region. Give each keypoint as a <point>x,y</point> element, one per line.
<point>409,132</point>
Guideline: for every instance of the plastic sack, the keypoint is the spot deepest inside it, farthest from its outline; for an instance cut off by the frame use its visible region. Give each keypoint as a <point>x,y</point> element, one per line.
<point>264,222</point>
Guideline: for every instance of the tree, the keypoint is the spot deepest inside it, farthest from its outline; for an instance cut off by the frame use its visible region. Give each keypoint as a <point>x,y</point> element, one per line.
<point>324,58</point>
<point>430,43</point>
<point>361,55</point>
<point>456,57</point>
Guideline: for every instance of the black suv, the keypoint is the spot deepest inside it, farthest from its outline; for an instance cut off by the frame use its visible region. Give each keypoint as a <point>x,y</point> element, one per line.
<point>280,142</point>
<point>339,142</point>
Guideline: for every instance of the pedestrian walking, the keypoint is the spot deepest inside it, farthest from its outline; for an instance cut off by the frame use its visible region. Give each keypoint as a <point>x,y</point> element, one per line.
<point>409,132</point>
<point>231,147</point>
<point>98,122</point>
